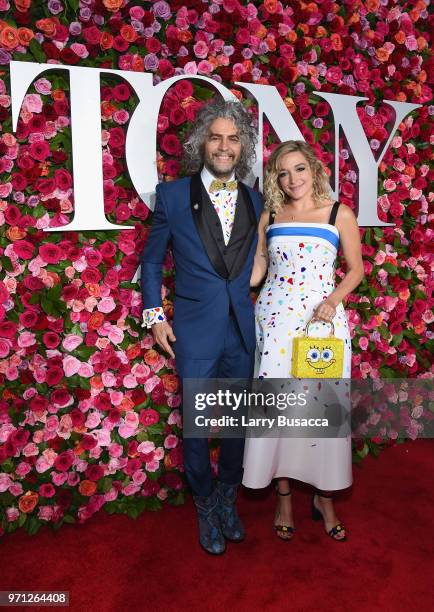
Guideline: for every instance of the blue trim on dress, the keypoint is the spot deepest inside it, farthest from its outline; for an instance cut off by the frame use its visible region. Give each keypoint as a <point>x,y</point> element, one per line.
<point>317,232</point>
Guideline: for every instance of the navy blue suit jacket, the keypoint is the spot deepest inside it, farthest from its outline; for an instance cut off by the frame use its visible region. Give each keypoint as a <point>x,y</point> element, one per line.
<point>203,297</point>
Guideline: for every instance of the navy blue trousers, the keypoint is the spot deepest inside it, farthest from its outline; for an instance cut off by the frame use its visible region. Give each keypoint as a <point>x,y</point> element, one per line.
<point>234,362</point>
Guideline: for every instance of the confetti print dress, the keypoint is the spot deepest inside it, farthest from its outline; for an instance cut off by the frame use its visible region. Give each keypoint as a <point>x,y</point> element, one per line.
<point>300,274</point>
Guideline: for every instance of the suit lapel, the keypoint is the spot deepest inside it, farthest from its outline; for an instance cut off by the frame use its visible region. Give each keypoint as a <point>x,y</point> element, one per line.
<point>240,259</point>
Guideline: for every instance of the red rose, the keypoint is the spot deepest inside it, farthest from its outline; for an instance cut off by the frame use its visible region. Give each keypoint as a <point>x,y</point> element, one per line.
<point>51,340</point>
<point>334,74</point>
<point>12,214</point>
<point>50,253</point>
<point>123,213</point>
<point>170,144</point>
<point>47,490</point>
<point>177,116</point>
<point>183,89</point>
<point>38,403</point>
<point>94,472</point>
<point>107,249</point>
<point>158,394</point>
<point>305,111</point>
<point>91,275</point>
<point>102,402</point>
<point>117,137</point>
<point>120,44</point>
<point>77,417</point>
<point>63,179</point>
<point>395,329</point>
<point>153,46</point>
<point>8,329</point>
<point>45,186</point>
<point>88,442</point>
<point>114,415</point>
<point>166,69</point>
<point>24,249</point>
<point>19,437</point>
<point>54,376</point>
<point>92,35</point>
<point>148,417</point>
<point>64,461</point>
<point>19,181</point>
<point>93,257</point>
<point>37,123</point>
<point>172,481</point>
<point>60,397</point>
<point>68,56</point>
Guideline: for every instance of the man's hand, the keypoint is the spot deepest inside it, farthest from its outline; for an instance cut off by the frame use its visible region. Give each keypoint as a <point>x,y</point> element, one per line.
<point>163,334</point>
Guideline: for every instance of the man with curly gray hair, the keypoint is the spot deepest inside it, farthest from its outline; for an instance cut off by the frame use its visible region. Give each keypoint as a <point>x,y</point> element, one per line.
<point>211,218</point>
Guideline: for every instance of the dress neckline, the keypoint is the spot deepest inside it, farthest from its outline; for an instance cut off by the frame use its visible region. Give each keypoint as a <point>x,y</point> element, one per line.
<point>300,223</point>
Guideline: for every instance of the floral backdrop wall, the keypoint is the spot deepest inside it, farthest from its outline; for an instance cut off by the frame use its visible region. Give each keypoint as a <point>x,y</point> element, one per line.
<point>89,409</point>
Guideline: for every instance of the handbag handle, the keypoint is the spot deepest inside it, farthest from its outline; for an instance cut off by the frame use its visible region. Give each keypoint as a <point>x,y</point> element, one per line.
<point>332,327</point>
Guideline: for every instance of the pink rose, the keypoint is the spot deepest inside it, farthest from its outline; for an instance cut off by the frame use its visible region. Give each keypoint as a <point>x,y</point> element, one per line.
<point>71,365</point>
<point>5,482</point>
<point>130,381</point>
<point>71,341</point>
<point>26,339</point>
<point>79,50</point>
<point>12,514</point>
<point>190,68</point>
<point>33,103</point>
<point>59,478</point>
<point>115,450</point>
<point>171,441</point>
<point>125,431</point>
<point>106,305</point>
<point>363,343</point>
<point>45,513</point>
<point>85,370</point>
<point>5,347</point>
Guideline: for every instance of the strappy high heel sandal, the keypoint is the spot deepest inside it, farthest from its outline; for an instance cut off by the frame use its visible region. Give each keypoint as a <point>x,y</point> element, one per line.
<point>317,515</point>
<point>284,532</point>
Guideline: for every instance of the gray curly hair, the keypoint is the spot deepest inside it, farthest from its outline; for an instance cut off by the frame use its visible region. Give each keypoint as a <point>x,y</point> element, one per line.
<point>221,109</point>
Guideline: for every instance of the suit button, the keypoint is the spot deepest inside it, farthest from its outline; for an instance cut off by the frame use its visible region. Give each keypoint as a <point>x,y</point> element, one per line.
<point>217,224</point>
<point>219,239</point>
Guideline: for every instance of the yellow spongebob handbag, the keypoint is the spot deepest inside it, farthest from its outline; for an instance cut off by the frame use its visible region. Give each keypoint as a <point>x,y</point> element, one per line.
<point>317,357</point>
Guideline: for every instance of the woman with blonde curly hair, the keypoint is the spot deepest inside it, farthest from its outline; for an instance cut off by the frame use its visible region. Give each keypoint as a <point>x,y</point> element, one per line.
<point>300,232</point>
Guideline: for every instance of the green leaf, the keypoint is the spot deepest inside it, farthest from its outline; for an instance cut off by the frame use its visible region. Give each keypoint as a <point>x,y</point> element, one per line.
<point>53,294</point>
<point>34,298</point>
<point>68,519</point>
<point>133,512</point>
<point>48,306</point>
<point>83,383</point>
<point>7,466</point>
<point>105,484</point>
<point>84,351</point>
<point>6,263</point>
<point>390,268</point>
<point>37,52</point>
<point>396,340</point>
<point>32,525</point>
<point>74,4</point>
<point>387,372</point>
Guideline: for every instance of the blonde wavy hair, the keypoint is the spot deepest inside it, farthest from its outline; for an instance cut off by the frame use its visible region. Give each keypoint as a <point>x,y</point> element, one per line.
<point>274,196</point>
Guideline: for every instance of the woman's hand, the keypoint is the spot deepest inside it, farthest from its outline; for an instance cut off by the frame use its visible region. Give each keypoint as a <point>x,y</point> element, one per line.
<point>325,311</point>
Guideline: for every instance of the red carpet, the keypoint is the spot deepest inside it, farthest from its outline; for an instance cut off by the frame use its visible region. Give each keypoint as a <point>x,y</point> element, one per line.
<point>112,563</point>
